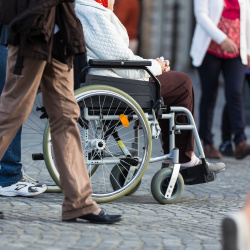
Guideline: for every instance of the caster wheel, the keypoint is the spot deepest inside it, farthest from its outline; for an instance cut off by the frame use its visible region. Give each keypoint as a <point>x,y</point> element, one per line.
<point>118,176</point>
<point>159,185</point>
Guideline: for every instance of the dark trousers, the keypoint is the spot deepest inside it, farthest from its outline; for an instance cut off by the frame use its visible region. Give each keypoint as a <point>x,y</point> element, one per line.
<point>80,61</point>
<point>225,123</point>
<point>177,90</point>
<point>233,73</point>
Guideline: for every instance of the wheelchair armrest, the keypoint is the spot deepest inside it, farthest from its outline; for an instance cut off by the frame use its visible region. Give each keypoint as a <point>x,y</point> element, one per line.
<point>119,63</point>
<point>122,64</point>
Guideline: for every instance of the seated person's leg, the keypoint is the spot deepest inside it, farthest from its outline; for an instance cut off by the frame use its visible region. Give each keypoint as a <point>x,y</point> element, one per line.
<point>177,90</point>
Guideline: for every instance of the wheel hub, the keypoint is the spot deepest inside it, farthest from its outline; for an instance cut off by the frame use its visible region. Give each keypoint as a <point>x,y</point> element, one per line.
<point>100,144</point>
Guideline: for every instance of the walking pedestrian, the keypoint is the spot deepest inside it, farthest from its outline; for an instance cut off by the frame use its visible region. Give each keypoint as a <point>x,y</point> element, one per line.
<point>13,181</point>
<point>44,37</point>
<point>226,147</point>
<point>221,43</point>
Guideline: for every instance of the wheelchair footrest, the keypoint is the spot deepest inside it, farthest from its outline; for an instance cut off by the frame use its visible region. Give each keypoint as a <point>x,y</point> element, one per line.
<point>197,175</point>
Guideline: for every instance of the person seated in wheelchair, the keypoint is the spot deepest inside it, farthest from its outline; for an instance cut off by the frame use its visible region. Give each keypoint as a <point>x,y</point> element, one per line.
<point>106,39</point>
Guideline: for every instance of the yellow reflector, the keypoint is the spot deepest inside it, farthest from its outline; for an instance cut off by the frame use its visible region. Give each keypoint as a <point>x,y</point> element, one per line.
<point>124,120</point>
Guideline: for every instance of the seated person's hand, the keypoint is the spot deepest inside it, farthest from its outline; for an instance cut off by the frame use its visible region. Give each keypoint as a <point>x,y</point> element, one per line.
<point>167,65</point>
<point>164,64</point>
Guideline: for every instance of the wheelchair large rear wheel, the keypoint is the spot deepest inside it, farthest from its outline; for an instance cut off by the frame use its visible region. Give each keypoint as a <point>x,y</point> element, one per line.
<point>114,131</point>
<point>32,146</point>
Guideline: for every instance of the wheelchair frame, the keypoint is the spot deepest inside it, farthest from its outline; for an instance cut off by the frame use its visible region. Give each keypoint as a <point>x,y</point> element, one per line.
<point>172,175</point>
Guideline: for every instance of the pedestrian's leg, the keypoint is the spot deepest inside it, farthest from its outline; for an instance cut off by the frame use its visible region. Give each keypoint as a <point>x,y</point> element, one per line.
<point>209,74</point>
<point>234,95</point>
<point>226,125</point>
<point>233,71</point>
<point>16,101</point>
<point>63,112</point>
<point>10,164</point>
<point>226,147</point>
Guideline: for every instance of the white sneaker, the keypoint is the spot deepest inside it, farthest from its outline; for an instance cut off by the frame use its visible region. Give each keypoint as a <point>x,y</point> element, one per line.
<point>216,167</point>
<point>23,188</point>
<point>29,179</point>
<point>235,232</point>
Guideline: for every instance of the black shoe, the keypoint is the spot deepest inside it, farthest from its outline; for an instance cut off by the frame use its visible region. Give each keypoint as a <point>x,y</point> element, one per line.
<point>226,148</point>
<point>1,215</point>
<point>101,218</point>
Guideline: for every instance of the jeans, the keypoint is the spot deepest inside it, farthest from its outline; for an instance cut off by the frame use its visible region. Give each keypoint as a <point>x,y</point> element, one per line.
<point>225,123</point>
<point>10,165</point>
<point>234,73</point>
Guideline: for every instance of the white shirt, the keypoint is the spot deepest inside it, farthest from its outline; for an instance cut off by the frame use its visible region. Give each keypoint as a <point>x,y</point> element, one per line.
<point>208,14</point>
<point>112,43</point>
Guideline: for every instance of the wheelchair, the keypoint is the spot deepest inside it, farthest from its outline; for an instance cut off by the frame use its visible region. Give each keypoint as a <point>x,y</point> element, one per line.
<point>118,121</point>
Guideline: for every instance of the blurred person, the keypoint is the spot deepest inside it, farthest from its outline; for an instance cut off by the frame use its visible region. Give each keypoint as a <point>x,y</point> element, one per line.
<point>40,52</point>
<point>128,12</point>
<point>13,182</point>
<point>236,229</point>
<point>221,43</point>
<point>226,147</point>
<point>103,29</point>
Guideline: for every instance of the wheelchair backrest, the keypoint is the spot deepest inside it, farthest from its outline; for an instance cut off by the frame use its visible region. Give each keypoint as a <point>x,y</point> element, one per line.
<point>146,93</point>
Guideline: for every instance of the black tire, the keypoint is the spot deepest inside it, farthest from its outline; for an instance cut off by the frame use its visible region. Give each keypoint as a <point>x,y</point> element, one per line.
<point>159,185</point>
<point>101,107</point>
<point>118,176</point>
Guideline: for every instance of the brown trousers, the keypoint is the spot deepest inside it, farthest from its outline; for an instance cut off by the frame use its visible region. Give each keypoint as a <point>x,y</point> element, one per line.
<point>16,102</point>
<point>177,90</point>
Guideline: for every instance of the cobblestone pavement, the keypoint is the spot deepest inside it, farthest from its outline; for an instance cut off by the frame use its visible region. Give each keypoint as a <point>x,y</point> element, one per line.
<point>192,223</point>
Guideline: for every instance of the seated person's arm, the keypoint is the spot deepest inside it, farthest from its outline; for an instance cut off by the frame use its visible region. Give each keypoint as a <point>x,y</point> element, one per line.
<point>106,41</point>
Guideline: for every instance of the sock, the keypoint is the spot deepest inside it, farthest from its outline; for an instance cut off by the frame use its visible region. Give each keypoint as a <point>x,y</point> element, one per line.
<point>194,161</point>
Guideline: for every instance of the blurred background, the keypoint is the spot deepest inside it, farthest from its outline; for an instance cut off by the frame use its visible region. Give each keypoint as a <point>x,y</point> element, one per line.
<point>166,29</point>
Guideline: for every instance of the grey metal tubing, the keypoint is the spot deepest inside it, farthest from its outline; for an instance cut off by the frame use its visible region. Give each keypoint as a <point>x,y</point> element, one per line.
<point>192,127</point>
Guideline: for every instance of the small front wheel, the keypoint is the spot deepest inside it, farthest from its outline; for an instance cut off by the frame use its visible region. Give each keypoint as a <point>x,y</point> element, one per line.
<point>159,185</point>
